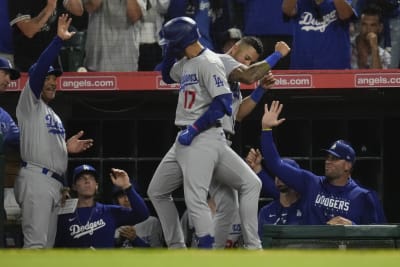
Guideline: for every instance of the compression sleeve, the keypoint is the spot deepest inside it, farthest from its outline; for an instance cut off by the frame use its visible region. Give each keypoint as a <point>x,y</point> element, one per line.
<point>273,59</point>
<point>139,211</point>
<point>38,71</point>
<point>296,178</point>
<point>166,66</point>
<point>221,105</point>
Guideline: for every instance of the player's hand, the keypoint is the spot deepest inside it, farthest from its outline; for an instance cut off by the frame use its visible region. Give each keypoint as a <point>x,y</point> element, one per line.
<point>128,232</point>
<point>282,48</point>
<point>75,145</point>
<point>270,117</point>
<point>186,136</point>
<point>120,178</point>
<point>338,220</point>
<point>267,81</point>
<point>64,195</point>
<point>62,28</point>
<point>254,159</point>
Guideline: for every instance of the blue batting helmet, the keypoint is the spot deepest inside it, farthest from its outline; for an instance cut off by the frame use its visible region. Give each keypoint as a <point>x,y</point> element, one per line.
<point>179,32</point>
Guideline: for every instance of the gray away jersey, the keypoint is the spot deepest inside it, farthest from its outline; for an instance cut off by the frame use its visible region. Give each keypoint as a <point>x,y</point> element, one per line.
<point>228,122</point>
<point>201,79</point>
<point>42,133</point>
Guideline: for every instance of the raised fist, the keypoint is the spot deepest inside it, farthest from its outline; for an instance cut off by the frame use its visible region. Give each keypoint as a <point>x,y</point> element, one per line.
<point>282,48</point>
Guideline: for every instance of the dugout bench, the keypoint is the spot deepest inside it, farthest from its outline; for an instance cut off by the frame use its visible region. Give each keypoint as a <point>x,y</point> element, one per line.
<point>332,236</point>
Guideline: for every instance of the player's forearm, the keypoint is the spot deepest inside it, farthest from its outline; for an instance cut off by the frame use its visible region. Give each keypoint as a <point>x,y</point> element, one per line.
<point>255,71</point>
<point>245,108</point>
<point>133,10</point>
<point>74,6</point>
<point>344,9</point>
<point>289,7</point>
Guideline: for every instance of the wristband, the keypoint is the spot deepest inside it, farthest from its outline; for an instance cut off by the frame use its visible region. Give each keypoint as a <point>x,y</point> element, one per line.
<point>257,94</point>
<point>273,59</point>
<point>266,129</point>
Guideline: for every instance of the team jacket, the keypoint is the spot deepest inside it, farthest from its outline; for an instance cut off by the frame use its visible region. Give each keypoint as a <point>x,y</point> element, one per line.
<point>322,201</point>
<point>95,226</point>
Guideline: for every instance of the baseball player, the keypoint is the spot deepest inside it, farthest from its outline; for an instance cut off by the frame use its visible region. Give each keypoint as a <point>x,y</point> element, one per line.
<point>331,199</point>
<point>238,68</point>
<point>144,234</point>
<point>168,177</point>
<point>93,224</point>
<point>236,63</point>
<point>44,150</point>
<point>8,128</point>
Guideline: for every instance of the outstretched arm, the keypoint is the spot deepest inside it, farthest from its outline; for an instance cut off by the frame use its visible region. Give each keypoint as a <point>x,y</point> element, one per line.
<point>38,71</point>
<point>258,70</point>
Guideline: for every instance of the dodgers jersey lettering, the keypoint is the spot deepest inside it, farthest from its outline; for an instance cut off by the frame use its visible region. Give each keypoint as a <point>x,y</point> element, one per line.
<point>48,140</point>
<point>200,82</point>
<point>95,226</point>
<point>320,43</point>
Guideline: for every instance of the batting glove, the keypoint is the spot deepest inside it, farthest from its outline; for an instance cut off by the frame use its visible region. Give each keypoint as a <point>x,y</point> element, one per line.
<point>186,136</point>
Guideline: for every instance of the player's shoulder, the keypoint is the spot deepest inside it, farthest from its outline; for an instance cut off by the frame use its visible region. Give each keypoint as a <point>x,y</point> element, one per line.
<point>211,56</point>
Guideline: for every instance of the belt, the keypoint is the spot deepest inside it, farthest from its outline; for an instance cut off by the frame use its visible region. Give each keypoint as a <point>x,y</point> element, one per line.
<point>45,171</point>
<point>217,124</point>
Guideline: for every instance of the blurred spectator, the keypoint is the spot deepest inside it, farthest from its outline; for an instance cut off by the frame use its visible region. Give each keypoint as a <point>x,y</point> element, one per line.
<point>112,41</point>
<point>198,10</point>
<point>34,25</point>
<point>229,38</point>
<point>389,9</point>
<point>266,20</point>
<point>226,15</point>
<point>366,53</point>
<point>150,53</point>
<point>321,38</point>
<point>6,46</point>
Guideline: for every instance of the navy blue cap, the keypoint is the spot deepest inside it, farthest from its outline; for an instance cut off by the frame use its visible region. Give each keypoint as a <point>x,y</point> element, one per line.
<point>6,65</point>
<point>51,71</point>
<point>85,168</point>
<point>342,150</point>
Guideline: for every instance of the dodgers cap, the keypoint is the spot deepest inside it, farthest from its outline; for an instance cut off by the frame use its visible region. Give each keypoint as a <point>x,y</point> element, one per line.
<point>85,168</point>
<point>342,150</point>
